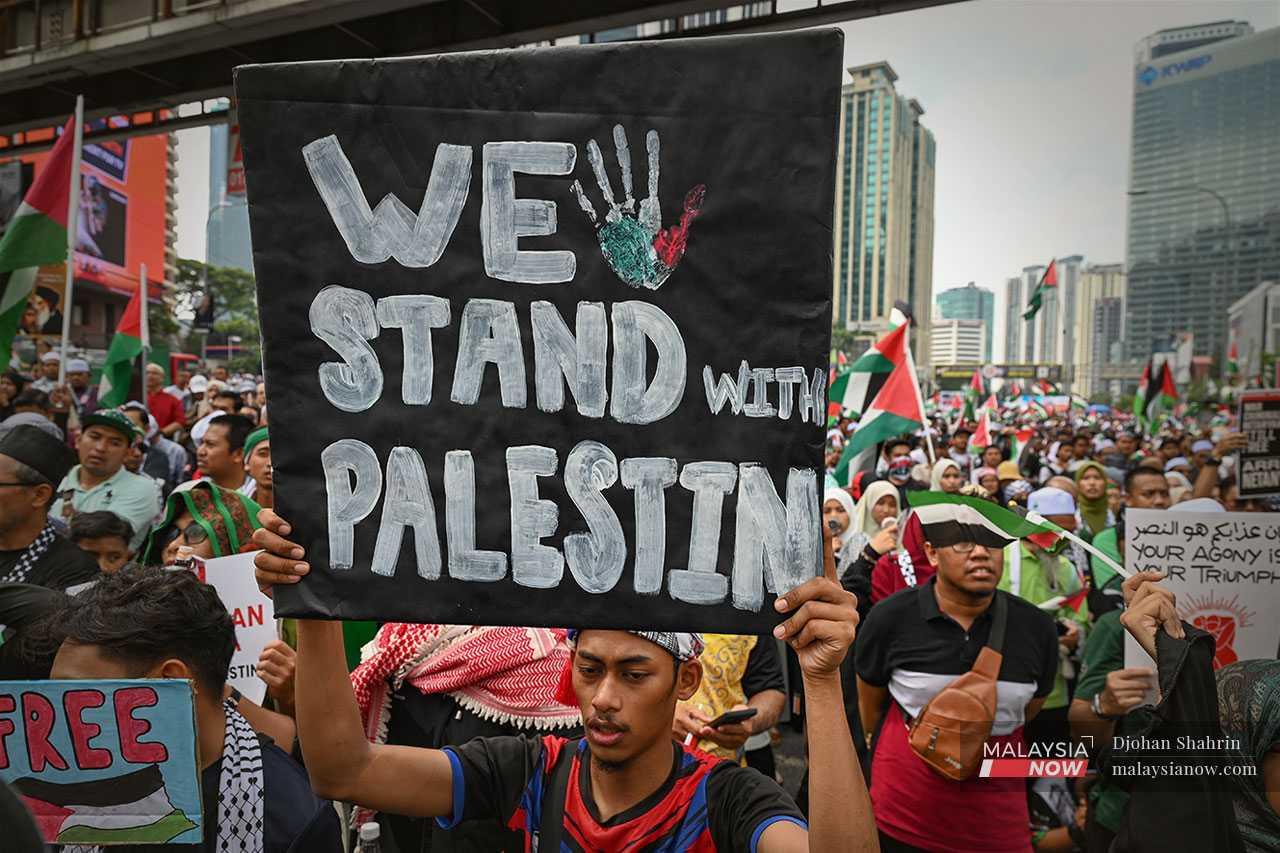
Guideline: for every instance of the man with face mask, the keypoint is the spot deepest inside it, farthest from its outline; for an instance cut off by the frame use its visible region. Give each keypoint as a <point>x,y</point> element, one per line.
<point>1038,573</point>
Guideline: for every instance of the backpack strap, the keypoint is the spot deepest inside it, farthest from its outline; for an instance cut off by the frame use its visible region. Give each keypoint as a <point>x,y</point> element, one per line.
<point>998,621</point>
<point>551,826</point>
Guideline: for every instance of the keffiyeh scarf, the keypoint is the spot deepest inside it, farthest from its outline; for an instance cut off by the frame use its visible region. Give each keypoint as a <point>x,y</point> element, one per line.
<point>28,559</point>
<point>506,675</point>
<point>240,791</point>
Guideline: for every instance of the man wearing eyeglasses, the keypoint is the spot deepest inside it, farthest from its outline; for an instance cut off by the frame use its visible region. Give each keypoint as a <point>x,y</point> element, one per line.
<point>916,642</point>
<point>31,549</point>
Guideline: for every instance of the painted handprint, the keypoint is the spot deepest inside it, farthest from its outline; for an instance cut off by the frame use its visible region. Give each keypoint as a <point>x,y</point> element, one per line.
<point>634,243</point>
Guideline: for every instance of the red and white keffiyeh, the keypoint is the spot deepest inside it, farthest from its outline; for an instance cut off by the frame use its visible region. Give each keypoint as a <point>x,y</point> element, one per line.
<point>507,675</point>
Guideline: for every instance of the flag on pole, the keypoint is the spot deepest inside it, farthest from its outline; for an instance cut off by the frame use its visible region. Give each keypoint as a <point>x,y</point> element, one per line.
<point>127,344</point>
<point>1018,445</point>
<point>1048,280</point>
<point>972,395</point>
<point>856,387</point>
<point>37,235</point>
<point>1233,359</point>
<point>934,507</point>
<point>1156,395</point>
<point>895,411</point>
<point>981,438</point>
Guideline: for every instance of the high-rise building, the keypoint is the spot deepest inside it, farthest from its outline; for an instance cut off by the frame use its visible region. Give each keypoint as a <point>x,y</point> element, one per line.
<point>1107,347</point>
<point>1253,325</point>
<point>1013,319</point>
<point>1204,212</point>
<point>957,342</point>
<point>884,207</point>
<point>970,303</point>
<point>1097,283</point>
<point>227,227</point>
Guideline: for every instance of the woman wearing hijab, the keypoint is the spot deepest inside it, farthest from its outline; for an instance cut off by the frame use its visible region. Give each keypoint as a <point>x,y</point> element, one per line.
<point>866,539</point>
<point>208,519</point>
<point>837,513</point>
<point>988,479</point>
<point>1249,711</point>
<point>946,476</point>
<point>1092,513</point>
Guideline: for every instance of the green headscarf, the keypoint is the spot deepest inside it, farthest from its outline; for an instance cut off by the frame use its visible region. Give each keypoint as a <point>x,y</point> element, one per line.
<point>229,518</point>
<point>1092,510</point>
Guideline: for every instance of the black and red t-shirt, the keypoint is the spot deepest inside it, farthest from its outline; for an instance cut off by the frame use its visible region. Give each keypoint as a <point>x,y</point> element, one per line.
<point>706,804</point>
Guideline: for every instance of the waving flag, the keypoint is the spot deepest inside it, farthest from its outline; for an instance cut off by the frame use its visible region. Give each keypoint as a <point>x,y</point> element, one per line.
<point>856,387</point>
<point>930,505</point>
<point>37,235</point>
<point>972,395</point>
<point>1156,395</point>
<point>126,345</point>
<point>1048,280</point>
<point>895,411</point>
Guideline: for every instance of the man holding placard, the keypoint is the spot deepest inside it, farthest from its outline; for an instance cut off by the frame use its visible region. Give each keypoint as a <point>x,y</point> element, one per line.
<point>626,782</point>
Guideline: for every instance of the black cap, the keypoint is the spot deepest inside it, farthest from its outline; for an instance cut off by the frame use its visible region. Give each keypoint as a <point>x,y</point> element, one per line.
<point>38,449</point>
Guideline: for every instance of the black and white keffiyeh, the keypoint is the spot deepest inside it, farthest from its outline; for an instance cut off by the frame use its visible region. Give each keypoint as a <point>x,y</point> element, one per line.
<point>240,791</point>
<point>28,559</point>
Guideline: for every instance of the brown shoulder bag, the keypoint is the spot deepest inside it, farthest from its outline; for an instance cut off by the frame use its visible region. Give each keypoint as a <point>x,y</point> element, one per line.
<point>951,730</point>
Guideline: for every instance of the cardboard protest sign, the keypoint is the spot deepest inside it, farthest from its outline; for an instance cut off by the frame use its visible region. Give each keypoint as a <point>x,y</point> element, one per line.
<point>103,762</point>
<point>546,330</point>
<point>1260,461</point>
<point>1224,568</point>
<point>251,613</point>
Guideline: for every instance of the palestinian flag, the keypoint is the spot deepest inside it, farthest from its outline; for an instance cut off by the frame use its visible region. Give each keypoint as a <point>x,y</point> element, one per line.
<point>1049,279</point>
<point>856,387</point>
<point>895,411</point>
<point>972,395</point>
<point>1015,390</point>
<point>981,438</point>
<point>129,809</point>
<point>1018,445</point>
<point>1157,393</point>
<point>1075,601</point>
<point>126,346</point>
<point>983,521</point>
<point>37,235</point>
<point>1233,359</point>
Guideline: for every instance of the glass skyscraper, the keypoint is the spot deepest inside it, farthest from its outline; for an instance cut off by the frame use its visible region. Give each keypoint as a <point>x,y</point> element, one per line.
<point>884,207</point>
<point>1204,212</point>
<point>971,303</point>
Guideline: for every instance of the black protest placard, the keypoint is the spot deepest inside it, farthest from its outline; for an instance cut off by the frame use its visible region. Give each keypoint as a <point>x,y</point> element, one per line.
<point>1260,459</point>
<point>545,331</point>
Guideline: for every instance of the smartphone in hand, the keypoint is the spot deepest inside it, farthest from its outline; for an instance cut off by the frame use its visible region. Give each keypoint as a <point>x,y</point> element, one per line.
<point>731,717</point>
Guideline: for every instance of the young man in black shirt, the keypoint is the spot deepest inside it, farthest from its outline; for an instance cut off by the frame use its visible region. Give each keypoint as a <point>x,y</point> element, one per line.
<point>32,463</point>
<point>152,623</point>
<point>627,784</point>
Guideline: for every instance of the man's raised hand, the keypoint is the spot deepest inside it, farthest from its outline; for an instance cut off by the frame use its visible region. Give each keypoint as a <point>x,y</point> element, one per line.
<point>280,561</point>
<point>824,618</point>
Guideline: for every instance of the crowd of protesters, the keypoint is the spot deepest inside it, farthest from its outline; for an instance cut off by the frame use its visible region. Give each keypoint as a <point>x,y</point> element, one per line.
<point>462,737</point>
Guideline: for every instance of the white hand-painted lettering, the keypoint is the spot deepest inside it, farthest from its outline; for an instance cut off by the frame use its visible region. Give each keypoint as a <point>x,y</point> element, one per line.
<point>725,389</point>
<point>533,518</point>
<point>701,583</point>
<point>632,402</point>
<point>595,559</point>
<point>776,544</point>
<point>346,320</point>
<point>489,333</point>
<point>391,229</point>
<point>580,361</point>
<point>465,562</point>
<point>504,218</point>
<point>415,316</point>
<point>649,478</point>
<point>348,505</point>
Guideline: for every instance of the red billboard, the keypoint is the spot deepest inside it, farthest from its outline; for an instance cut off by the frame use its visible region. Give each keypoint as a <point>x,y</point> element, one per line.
<point>121,222</point>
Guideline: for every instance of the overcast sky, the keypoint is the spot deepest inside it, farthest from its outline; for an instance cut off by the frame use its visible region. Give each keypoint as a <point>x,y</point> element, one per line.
<point>1030,102</point>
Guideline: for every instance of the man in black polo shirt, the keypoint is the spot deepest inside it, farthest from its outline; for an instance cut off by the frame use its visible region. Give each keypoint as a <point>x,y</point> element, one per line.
<point>915,643</point>
<point>32,463</point>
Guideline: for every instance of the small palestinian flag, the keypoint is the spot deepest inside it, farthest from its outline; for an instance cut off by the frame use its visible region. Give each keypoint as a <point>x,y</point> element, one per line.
<point>895,411</point>
<point>1075,601</point>
<point>1156,395</point>
<point>856,387</point>
<point>1233,359</point>
<point>1049,279</point>
<point>1018,445</point>
<point>129,809</point>
<point>972,395</point>
<point>1015,390</point>
<point>127,345</point>
<point>948,519</point>
<point>981,438</point>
